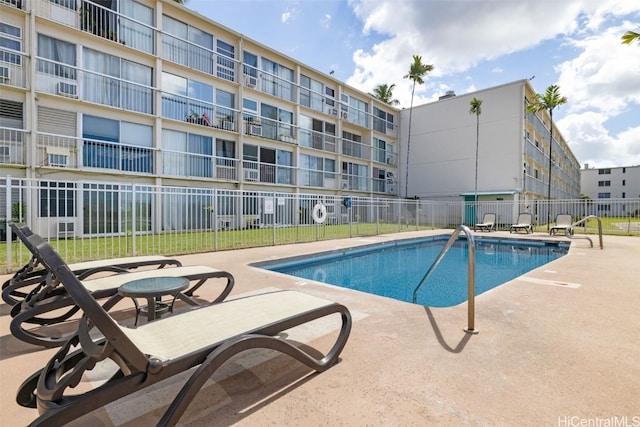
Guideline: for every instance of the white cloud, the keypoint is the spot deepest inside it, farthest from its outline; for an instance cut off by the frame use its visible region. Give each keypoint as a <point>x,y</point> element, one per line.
<point>600,77</point>
<point>326,21</point>
<point>286,16</point>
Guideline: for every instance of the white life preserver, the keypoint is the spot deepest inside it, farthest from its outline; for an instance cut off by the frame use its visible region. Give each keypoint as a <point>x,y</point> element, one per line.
<point>319,213</point>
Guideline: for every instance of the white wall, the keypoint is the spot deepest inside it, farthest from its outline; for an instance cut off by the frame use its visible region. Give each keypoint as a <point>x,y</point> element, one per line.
<point>443,144</point>
<point>629,175</point>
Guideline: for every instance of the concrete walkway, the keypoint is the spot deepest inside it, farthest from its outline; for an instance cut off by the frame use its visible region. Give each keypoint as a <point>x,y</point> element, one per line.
<point>556,346</point>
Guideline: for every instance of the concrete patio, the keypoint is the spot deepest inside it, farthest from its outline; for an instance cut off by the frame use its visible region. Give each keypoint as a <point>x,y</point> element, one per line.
<point>556,346</point>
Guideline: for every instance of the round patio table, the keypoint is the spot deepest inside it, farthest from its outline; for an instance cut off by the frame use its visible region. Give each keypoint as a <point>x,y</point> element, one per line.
<point>153,289</point>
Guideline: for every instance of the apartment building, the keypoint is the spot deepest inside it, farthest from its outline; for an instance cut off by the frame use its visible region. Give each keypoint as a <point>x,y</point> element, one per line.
<point>106,94</point>
<point>513,154</point>
<point>602,185</point>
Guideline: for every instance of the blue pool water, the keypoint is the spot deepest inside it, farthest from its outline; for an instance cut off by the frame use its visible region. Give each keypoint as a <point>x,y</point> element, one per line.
<point>394,269</point>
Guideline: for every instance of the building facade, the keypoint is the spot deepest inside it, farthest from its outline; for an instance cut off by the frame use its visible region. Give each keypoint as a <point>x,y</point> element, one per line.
<point>603,186</point>
<point>513,149</point>
<point>148,92</point>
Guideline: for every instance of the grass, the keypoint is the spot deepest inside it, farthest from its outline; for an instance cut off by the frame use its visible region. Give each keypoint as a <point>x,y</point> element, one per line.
<point>188,242</point>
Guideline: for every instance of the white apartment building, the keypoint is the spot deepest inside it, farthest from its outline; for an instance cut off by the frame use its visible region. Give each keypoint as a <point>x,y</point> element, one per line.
<point>513,160</point>
<point>149,92</point>
<point>601,185</point>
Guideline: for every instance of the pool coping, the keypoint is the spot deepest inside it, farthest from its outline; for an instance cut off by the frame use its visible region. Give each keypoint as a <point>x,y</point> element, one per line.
<point>545,354</point>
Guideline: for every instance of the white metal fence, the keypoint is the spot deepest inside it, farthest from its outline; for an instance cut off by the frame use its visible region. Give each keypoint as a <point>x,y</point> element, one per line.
<point>92,220</point>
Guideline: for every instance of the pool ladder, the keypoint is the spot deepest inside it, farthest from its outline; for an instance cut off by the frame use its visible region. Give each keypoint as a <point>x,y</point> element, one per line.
<point>582,221</point>
<point>471,279</point>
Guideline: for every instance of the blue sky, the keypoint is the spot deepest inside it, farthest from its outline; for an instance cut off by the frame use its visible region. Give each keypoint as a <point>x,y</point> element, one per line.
<point>473,44</point>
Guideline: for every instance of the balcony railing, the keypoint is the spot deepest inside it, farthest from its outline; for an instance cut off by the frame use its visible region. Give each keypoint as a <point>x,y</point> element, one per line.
<point>270,129</point>
<point>268,173</point>
<point>356,149</point>
<point>199,112</point>
<point>13,66</point>
<point>12,146</point>
<point>100,21</point>
<point>317,140</point>
<point>69,81</point>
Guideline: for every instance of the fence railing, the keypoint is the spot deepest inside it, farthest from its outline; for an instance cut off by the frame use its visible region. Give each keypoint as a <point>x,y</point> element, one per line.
<point>92,220</point>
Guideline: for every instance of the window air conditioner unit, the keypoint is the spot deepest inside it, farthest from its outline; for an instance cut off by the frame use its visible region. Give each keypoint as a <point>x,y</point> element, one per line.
<point>255,130</point>
<point>331,111</point>
<point>5,73</point>
<point>345,185</point>
<point>344,115</point>
<point>68,89</point>
<point>391,188</point>
<point>58,160</point>
<point>251,175</point>
<point>66,229</point>
<point>250,81</point>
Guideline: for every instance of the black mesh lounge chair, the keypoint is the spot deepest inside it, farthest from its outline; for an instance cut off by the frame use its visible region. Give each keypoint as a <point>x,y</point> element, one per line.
<point>29,278</point>
<point>51,304</point>
<point>563,223</point>
<point>488,223</point>
<point>525,222</point>
<point>203,338</point>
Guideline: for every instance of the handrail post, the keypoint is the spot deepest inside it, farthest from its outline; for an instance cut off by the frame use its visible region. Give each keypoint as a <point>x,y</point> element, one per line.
<point>471,279</point>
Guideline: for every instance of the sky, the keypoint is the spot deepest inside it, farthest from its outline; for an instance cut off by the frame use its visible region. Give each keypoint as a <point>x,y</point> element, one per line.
<point>473,45</point>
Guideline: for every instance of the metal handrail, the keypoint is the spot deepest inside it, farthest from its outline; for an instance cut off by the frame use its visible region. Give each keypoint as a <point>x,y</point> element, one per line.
<point>471,279</point>
<point>584,220</point>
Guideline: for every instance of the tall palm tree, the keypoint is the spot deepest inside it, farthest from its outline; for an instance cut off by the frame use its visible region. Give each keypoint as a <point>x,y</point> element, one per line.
<point>630,36</point>
<point>475,107</point>
<point>384,93</point>
<point>417,70</point>
<point>548,102</point>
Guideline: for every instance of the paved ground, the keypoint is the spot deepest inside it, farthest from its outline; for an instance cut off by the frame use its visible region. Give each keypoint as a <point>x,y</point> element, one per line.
<point>558,346</point>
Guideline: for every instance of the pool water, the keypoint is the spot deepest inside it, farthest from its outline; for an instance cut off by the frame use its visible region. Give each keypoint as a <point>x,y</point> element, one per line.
<point>394,269</point>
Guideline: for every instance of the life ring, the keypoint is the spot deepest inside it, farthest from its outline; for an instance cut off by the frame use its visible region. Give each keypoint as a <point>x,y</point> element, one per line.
<point>319,213</point>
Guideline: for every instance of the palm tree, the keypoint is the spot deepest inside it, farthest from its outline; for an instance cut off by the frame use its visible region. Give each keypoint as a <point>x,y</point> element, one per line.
<point>384,93</point>
<point>417,70</point>
<point>630,36</point>
<point>548,102</point>
<point>476,108</point>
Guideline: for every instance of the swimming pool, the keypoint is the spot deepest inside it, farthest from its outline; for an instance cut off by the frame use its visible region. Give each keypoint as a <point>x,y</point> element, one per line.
<point>394,269</point>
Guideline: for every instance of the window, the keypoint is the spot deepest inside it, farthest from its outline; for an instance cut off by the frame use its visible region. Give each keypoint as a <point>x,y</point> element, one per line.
<point>128,87</point>
<point>111,144</point>
<point>604,171</point>
<point>604,195</point>
<point>351,144</point>
<point>187,45</point>
<point>58,57</point>
<point>186,154</point>
<point>624,182</point>
<point>314,170</point>
<point>225,60</point>
<point>133,32</point>
<point>382,151</point>
<point>311,93</point>
<point>354,176</point>
<point>604,183</point>
<point>331,96</point>
<point>382,120</point>
<point>354,110</point>
<point>277,80</point>
<point>250,68</point>
<point>10,39</point>
<point>57,199</point>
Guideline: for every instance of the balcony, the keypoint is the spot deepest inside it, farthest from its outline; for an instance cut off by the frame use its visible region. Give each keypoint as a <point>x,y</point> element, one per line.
<point>12,146</point>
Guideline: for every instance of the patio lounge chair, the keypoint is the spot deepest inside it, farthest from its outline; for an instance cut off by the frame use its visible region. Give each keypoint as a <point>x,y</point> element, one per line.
<point>50,298</point>
<point>203,338</point>
<point>563,223</point>
<point>488,222</point>
<point>32,276</point>
<point>525,222</point>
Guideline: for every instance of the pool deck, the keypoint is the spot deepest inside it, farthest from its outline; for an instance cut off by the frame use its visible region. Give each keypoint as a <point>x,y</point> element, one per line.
<point>559,346</point>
